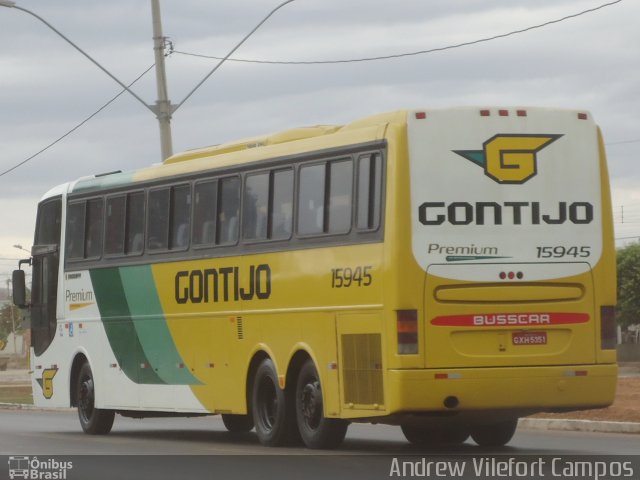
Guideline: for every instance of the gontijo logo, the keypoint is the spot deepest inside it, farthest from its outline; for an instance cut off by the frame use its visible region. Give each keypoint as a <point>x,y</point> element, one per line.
<point>509,158</point>
<point>46,382</point>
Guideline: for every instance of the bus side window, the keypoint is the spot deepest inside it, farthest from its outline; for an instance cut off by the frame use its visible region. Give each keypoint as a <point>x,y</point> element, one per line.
<point>158,222</point>
<point>340,196</point>
<point>369,193</point>
<point>228,211</point>
<point>311,199</point>
<point>180,217</point>
<point>282,209</point>
<point>204,212</point>
<point>114,225</point>
<point>255,207</point>
<point>74,244</point>
<point>135,224</point>
<point>94,222</point>
<point>325,197</point>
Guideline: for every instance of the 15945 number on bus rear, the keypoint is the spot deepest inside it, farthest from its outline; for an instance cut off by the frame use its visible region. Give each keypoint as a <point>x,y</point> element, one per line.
<point>351,277</point>
<point>560,251</point>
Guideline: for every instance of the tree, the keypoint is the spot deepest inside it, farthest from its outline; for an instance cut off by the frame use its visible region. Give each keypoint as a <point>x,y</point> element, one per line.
<point>7,321</point>
<point>628,308</point>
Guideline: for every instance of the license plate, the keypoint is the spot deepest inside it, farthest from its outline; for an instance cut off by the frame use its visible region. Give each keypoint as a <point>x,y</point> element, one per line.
<point>529,338</point>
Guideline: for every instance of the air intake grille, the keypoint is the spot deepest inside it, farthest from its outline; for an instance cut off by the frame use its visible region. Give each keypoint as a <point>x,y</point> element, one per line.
<point>362,369</point>
<point>240,328</point>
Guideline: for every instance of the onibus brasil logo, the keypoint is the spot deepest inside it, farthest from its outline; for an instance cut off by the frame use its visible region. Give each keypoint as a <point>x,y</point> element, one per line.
<point>38,469</point>
<point>509,158</point>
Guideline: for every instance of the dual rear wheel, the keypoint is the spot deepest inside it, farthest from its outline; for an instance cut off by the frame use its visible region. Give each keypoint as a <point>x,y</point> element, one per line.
<point>293,415</point>
<point>489,435</point>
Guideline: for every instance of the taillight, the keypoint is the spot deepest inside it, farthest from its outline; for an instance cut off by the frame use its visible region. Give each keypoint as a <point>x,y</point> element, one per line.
<point>608,331</point>
<point>407,325</point>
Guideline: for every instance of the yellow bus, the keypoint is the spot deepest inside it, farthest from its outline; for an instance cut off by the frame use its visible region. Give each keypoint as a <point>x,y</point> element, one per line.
<point>444,270</point>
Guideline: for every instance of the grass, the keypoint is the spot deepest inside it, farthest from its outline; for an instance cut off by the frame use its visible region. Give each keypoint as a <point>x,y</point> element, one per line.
<point>9,394</point>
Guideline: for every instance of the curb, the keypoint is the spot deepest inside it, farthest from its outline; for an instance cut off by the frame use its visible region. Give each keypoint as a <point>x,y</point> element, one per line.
<point>579,425</point>
<point>17,406</point>
<point>26,406</point>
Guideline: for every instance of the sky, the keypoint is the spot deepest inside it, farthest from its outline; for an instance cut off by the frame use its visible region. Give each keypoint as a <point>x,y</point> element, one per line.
<point>589,62</point>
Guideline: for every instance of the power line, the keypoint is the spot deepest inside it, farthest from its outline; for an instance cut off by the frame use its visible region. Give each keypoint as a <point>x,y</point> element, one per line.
<point>76,127</point>
<point>400,55</point>
<point>622,142</point>
<point>385,57</point>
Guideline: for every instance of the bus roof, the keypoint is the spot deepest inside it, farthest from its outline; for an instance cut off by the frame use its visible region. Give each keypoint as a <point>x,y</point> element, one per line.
<point>281,144</point>
<point>277,145</point>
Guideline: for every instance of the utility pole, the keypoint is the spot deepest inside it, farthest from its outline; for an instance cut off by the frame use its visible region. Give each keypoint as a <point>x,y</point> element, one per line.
<point>163,108</point>
<point>13,320</point>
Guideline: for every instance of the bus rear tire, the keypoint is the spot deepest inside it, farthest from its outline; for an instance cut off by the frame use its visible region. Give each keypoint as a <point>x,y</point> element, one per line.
<point>237,423</point>
<point>272,408</point>
<point>419,435</point>
<point>495,434</point>
<point>93,421</point>
<point>316,430</point>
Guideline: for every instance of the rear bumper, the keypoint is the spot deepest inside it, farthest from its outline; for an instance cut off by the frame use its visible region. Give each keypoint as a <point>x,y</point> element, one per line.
<point>513,388</point>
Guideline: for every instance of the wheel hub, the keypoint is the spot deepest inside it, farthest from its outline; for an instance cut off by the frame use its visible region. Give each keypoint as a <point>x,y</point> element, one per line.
<point>85,399</point>
<point>312,403</point>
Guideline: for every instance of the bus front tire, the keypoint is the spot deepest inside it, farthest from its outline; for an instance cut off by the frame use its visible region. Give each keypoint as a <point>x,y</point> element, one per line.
<point>93,421</point>
<point>237,423</point>
<point>272,408</point>
<point>495,434</point>
<point>316,430</point>
<point>419,435</point>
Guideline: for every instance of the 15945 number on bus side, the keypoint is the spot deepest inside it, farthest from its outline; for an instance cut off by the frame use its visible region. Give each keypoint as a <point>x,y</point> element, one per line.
<point>351,277</point>
<point>560,251</point>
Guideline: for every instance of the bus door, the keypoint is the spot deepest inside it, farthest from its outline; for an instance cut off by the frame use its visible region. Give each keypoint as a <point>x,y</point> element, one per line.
<point>45,263</point>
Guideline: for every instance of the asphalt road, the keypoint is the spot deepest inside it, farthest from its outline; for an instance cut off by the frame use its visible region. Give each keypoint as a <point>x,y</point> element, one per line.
<point>37,432</point>
<point>159,449</point>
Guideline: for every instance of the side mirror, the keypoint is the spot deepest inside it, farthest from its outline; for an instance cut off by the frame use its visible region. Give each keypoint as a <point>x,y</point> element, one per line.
<point>19,289</point>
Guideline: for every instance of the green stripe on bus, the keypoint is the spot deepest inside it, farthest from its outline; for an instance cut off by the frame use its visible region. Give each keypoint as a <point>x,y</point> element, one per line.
<point>121,332</point>
<point>151,326</point>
